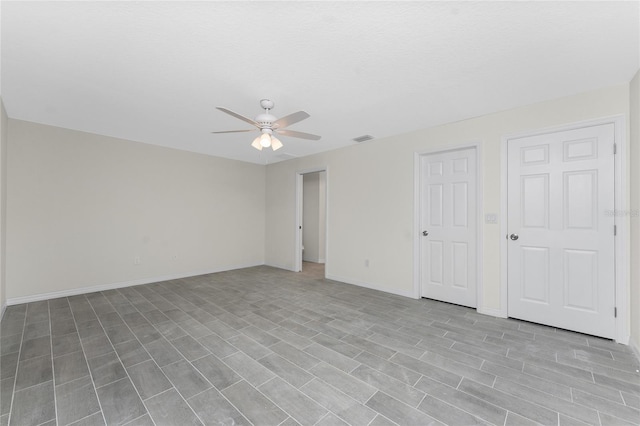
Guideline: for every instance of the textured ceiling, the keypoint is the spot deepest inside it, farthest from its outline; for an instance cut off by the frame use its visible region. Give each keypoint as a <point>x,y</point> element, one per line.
<point>155,71</point>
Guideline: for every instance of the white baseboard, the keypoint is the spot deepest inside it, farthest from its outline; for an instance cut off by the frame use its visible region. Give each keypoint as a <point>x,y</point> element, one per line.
<point>313,260</point>
<point>286,268</point>
<point>405,293</point>
<point>111,286</point>
<point>499,313</point>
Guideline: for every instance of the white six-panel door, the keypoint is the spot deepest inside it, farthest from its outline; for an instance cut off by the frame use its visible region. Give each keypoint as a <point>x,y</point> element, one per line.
<point>448,223</point>
<point>561,229</point>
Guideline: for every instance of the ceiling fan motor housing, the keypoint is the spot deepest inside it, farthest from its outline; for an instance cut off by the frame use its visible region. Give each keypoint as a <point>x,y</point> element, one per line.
<point>265,120</point>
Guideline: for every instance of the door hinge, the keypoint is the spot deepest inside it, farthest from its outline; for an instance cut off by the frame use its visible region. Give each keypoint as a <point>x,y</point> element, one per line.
<point>615,148</point>
<point>615,312</point>
<point>615,230</point>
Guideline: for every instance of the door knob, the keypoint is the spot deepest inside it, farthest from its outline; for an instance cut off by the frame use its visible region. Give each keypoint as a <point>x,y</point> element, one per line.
<point>514,236</point>
<point>425,233</point>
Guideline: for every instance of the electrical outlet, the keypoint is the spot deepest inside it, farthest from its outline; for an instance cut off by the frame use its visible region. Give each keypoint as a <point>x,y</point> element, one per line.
<point>136,260</point>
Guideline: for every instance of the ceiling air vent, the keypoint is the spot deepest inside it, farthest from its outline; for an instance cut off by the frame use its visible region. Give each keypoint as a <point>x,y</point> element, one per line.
<point>362,138</point>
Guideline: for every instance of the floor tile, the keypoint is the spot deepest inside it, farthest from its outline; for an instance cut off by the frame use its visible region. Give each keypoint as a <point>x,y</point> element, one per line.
<point>427,370</point>
<point>551,402</point>
<point>168,408</point>
<point>286,370</point>
<point>458,368</point>
<point>350,385</point>
<point>447,413</point>
<point>464,401</point>
<point>34,405</point>
<point>249,346</point>
<point>190,348</point>
<point>131,353</point>
<point>96,345</point>
<point>214,409</point>
<point>65,344</point>
<point>148,379</point>
<point>120,402</point>
<point>8,365</point>
<point>96,419</point>
<point>260,336</point>
<point>216,371</point>
<point>34,371</point>
<point>69,367</point>
<point>332,420</point>
<point>254,405</point>
<point>6,394</point>
<point>605,406</point>
<point>221,329</point>
<point>305,350</point>
<point>334,358</point>
<point>106,369</point>
<point>552,388</point>
<point>186,379</point>
<point>37,329</point>
<point>249,369</point>
<point>337,402</point>
<point>76,400</point>
<point>392,387</point>
<point>511,403</point>
<point>293,402</point>
<point>398,412</point>
<point>162,352</point>
<point>119,334</point>
<point>34,348</point>
<point>295,355</point>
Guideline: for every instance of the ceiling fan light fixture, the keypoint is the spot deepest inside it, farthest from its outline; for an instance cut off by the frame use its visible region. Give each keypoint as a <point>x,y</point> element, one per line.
<point>265,140</point>
<point>275,143</point>
<point>256,144</point>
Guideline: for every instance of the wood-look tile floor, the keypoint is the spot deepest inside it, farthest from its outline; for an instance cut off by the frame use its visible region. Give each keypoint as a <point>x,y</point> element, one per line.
<point>265,346</point>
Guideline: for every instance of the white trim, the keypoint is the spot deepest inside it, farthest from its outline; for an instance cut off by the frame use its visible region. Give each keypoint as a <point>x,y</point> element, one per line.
<point>635,349</point>
<point>297,245</point>
<point>279,266</point>
<point>112,286</point>
<point>491,312</point>
<point>622,265</point>
<point>417,291</point>
<point>345,280</point>
<point>2,309</point>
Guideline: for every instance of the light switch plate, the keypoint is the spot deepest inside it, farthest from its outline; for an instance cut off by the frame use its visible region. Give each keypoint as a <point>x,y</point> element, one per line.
<point>491,218</point>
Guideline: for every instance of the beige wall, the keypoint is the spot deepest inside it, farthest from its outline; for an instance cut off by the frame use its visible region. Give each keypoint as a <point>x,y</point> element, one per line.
<point>82,207</point>
<point>3,205</point>
<point>371,197</point>
<point>634,114</point>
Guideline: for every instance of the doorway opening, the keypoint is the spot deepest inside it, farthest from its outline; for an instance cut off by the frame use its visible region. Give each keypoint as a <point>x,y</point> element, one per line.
<point>311,221</point>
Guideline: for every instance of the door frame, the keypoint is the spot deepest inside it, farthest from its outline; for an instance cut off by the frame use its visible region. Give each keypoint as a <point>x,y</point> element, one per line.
<point>622,297</point>
<point>417,232</point>
<point>297,245</point>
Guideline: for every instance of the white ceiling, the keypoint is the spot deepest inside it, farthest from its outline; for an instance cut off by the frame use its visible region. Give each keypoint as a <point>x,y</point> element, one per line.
<point>155,71</point>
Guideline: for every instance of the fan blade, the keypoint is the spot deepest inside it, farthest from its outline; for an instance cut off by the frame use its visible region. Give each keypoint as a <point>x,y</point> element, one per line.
<point>290,119</point>
<point>236,115</point>
<point>236,131</point>
<point>295,134</point>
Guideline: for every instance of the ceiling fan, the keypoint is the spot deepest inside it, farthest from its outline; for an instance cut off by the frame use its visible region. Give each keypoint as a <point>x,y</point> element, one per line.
<point>267,125</point>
